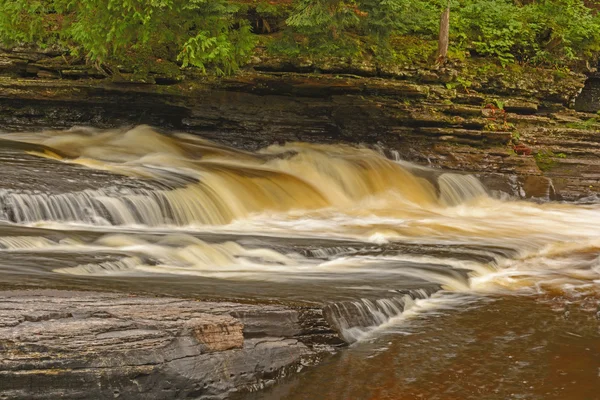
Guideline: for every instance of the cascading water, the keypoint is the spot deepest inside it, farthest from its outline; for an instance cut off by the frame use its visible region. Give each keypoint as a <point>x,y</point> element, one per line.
<point>224,185</point>
<point>368,236</point>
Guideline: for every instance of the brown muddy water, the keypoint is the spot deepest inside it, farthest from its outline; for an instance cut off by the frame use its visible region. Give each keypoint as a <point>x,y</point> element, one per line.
<point>442,289</point>
<point>500,348</point>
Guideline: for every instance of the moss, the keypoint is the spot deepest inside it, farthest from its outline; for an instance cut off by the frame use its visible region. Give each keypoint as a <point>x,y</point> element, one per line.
<point>141,64</point>
<point>515,137</point>
<point>411,50</point>
<point>545,160</point>
<point>560,74</point>
<point>589,124</point>
<point>515,78</point>
<point>494,127</point>
<point>403,50</point>
<point>57,62</point>
<point>457,54</point>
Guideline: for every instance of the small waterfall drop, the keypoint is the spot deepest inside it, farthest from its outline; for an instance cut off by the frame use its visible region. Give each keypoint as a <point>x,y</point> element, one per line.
<point>200,183</point>
<point>393,229</point>
<point>355,319</point>
<point>456,188</point>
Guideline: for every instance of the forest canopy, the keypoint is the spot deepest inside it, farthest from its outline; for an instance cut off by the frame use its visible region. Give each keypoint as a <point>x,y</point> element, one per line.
<point>221,35</point>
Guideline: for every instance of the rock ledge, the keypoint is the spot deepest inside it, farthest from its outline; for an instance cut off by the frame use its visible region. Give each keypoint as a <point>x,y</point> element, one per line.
<point>73,345</point>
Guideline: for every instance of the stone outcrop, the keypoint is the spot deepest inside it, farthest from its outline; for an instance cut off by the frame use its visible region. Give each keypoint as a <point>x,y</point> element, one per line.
<point>518,133</point>
<point>589,100</point>
<point>513,128</point>
<point>22,171</point>
<point>68,344</point>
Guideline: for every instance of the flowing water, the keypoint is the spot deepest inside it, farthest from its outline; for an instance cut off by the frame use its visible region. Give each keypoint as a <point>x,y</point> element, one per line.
<point>443,289</point>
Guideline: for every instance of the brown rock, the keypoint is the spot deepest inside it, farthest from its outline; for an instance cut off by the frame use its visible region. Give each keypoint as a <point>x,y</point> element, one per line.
<point>520,106</point>
<point>428,77</point>
<point>537,187</point>
<point>44,74</point>
<point>219,335</point>
<point>522,149</point>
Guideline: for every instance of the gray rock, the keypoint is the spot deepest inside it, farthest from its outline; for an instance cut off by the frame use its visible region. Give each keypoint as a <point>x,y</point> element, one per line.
<point>75,345</point>
<point>252,110</point>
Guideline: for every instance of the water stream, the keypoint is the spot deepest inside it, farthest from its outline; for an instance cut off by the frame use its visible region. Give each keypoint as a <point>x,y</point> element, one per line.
<point>392,251</point>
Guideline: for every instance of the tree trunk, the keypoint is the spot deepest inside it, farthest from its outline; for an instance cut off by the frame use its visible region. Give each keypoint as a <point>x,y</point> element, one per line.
<point>444,36</point>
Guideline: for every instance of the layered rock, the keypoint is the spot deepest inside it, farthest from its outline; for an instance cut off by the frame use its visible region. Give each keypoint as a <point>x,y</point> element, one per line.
<point>513,128</point>
<point>516,132</point>
<point>75,345</point>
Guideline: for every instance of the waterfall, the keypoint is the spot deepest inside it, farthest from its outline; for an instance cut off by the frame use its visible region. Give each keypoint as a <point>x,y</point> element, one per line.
<point>205,184</point>
<point>342,225</point>
<point>355,319</point>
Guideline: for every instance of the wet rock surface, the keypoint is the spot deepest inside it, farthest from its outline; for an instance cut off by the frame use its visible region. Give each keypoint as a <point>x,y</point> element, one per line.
<point>517,133</point>
<point>71,344</point>
<point>23,170</point>
<point>589,99</point>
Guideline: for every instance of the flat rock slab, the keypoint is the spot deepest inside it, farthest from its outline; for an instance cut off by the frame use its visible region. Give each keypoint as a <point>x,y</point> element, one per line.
<point>71,344</point>
<point>25,172</point>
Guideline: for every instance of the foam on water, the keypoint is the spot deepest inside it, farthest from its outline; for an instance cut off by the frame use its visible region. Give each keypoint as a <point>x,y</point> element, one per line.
<point>300,190</point>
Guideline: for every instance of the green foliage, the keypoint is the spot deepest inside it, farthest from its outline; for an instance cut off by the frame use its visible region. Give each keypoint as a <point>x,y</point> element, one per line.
<point>567,30</point>
<point>460,83</point>
<point>498,103</point>
<point>218,34</point>
<point>515,137</point>
<point>197,32</point>
<point>269,16</point>
<point>270,9</point>
<point>286,46</point>
<point>224,48</point>
<point>318,17</point>
<point>409,50</point>
<point>545,159</point>
<point>543,32</point>
<point>490,28</point>
<point>349,26</point>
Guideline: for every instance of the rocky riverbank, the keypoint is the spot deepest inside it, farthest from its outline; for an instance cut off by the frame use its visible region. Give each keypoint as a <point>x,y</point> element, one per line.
<point>516,128</point>
<point>75,345</point>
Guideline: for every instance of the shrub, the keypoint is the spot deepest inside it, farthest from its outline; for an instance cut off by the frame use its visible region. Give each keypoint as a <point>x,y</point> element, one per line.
<point>197,32</point>
<point>217,34</point>
<point>553,32</point>
<point>343,27</point>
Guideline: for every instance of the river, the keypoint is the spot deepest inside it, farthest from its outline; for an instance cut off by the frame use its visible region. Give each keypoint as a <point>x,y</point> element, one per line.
<point>443,288</point>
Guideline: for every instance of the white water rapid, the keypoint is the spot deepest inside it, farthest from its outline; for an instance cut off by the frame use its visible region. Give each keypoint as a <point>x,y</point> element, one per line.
<point>377,236</point>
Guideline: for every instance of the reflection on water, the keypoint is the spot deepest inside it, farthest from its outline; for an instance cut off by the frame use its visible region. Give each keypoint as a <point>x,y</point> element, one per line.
<point>496,349</point>
<point>380,244</point>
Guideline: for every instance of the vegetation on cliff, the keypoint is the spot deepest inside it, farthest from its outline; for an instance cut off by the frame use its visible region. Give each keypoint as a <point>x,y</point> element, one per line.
<point>221,35</point>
